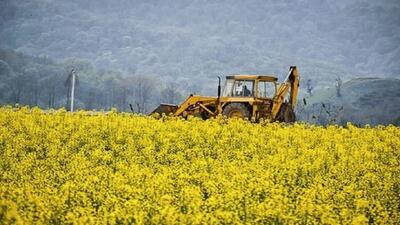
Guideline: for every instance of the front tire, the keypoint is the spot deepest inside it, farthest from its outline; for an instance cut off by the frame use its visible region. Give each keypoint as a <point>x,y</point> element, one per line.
<point>236,110</point>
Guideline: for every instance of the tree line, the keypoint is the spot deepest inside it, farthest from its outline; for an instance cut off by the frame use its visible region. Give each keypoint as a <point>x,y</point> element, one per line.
<point>40,81</point>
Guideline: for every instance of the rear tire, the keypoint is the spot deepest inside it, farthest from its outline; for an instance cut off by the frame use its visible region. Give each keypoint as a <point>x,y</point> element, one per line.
<point>286,114</point>
<point>236,110</point>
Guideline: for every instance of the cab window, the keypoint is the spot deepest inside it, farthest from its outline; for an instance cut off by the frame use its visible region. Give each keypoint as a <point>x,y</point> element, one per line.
<point>228,88</point>
<point>238,88</point>
<point>266,89</point>
<point>243,88</point>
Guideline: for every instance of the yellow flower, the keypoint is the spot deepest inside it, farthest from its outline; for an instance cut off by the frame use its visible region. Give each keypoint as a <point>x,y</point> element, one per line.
<point>120,168</point>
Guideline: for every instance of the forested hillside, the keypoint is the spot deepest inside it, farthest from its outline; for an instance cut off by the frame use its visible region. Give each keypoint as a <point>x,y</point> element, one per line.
<point>362,101</point>
<point>188,43</point>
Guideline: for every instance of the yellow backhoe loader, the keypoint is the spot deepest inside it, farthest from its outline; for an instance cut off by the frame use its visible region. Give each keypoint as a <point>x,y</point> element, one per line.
<point>244,96</point>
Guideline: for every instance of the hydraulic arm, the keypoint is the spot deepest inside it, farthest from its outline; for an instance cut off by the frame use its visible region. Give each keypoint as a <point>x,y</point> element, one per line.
<point>290,84</point>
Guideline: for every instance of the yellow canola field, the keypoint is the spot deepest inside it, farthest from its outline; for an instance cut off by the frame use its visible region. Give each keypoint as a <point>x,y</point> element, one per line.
<point>96,168</point>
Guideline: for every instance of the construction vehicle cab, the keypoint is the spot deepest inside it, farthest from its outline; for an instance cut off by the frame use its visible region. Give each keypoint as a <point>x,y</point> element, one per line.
<point>252,97</point>
<point>258,86</point>
<point>244,94</point>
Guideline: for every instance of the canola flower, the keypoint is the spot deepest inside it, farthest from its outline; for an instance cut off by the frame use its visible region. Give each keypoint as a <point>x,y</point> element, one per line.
<point>116,168</point>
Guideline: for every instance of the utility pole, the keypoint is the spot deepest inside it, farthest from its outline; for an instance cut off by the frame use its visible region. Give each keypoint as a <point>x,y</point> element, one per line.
<point>71,82</point>
<point>73,89</point>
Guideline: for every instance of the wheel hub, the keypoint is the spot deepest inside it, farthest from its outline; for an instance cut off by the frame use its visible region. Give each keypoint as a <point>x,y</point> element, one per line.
<point>236,114</point>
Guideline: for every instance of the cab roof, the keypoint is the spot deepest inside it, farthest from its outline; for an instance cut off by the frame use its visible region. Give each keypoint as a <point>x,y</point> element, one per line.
<point>269,78</point>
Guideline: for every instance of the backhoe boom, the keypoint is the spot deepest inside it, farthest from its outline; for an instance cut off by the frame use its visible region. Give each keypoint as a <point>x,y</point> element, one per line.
<point>290,84</point>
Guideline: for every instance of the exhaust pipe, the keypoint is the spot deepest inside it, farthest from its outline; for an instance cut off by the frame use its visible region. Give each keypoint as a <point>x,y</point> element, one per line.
<point>219,87</point>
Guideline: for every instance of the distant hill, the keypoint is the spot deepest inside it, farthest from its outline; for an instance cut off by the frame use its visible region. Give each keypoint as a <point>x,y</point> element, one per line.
<point>362,101</point>
<point>192,42</point>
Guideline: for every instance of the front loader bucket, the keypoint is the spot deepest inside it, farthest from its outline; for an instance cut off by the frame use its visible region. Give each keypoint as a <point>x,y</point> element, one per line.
<point>165,108</point>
